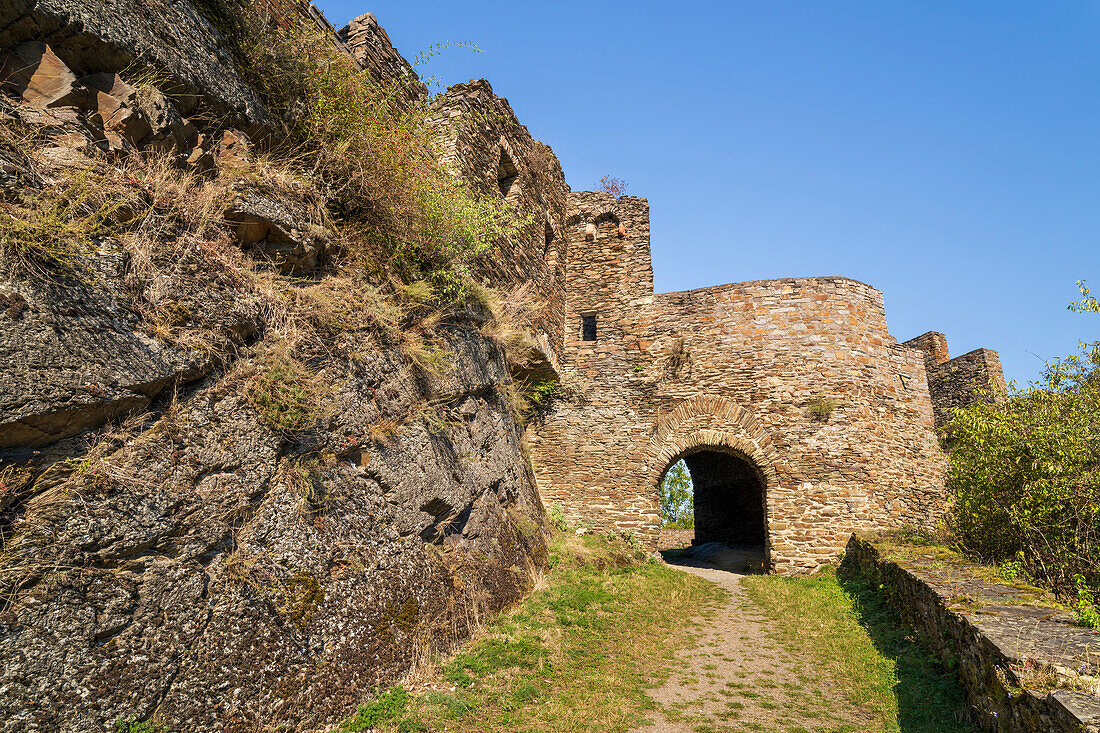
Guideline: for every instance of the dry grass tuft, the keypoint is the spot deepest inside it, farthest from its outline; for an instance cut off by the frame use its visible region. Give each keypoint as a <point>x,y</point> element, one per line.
<point>56,232</point>
<point>288,396</point>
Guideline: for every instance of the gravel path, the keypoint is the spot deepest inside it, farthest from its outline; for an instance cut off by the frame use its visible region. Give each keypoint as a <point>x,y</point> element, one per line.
<point>738,678</point>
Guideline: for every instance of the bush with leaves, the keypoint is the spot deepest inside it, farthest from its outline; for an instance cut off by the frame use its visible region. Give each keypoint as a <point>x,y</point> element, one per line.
<point>374,152</point>
<point>1085,608</point>
<point>1025,473</point>
<point>677,498</point>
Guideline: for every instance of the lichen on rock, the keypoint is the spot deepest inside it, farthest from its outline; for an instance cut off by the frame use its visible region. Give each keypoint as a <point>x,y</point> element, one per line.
<point>246,473</point>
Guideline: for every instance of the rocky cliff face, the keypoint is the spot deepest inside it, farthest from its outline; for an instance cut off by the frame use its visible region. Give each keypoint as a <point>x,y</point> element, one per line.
<point>110,35</point>
<point>201,565</point>
<point>201,526</point>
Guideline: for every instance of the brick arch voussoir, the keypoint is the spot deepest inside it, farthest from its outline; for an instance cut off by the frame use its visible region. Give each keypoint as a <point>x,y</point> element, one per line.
<point>727,425</point>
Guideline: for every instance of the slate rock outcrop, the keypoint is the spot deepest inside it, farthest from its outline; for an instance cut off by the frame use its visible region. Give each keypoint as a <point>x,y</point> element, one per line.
<point>110,35</point>
<point>170,549</point>
<point>214,571</point>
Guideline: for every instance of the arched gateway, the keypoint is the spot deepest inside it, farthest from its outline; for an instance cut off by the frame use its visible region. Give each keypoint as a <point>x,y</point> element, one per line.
<point>729,458</point>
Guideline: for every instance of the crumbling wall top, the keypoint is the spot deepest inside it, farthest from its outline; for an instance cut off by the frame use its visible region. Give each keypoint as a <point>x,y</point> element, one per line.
<point>814,282</point>
<point>369,44</point>
<point>593,206</point>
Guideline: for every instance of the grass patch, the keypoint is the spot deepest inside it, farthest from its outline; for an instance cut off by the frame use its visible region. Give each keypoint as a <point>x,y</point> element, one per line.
<point>56,232</point>
<point>872,659</point>
<point>822,408</point>
<point>578,654</point>
<point>133,725</point>
<point>389,707</point>
<point>283,390</point>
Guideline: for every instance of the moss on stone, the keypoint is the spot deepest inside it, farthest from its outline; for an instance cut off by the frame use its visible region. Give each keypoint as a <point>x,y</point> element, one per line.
<point>404,618</point>
<point>304,595</point>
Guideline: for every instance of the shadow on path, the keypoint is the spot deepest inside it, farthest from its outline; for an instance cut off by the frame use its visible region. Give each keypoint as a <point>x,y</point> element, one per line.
<point>732,558</point>
<point>927,694</point>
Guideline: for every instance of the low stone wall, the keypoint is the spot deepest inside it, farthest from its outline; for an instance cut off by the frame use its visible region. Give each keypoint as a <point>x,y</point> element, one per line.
<point>1024,666</point>
<point>673,539</point>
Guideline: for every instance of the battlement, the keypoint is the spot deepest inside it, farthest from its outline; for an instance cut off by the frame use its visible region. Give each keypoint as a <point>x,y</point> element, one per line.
<point>953,382</point>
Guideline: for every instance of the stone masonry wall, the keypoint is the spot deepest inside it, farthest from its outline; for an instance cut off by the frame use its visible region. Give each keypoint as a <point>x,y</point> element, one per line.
<point>1024,666</point>
<point>370,46</point>
<point>738,368</point>
<point>486,146</point>
<point>952,382</point>
<point>590,452</point>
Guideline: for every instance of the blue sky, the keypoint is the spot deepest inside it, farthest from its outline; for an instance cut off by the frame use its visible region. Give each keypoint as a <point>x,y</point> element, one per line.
<point>945,152</point>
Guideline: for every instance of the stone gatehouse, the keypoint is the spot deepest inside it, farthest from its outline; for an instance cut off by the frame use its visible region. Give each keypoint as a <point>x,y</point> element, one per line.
<point>799,417</point>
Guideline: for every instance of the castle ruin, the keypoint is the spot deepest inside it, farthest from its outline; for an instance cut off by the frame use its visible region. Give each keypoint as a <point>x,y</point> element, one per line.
<point>800,418</point>
<point>173,550</point>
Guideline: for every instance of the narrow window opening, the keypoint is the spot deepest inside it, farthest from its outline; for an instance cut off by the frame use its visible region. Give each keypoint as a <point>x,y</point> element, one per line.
<point>549,233</point>
<point>506,173</point>
<point>588,328</point>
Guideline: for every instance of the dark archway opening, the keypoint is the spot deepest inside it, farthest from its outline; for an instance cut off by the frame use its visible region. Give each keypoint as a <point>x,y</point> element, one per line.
<point>729,499</point>
<point>506,173</point>
<point>713,511</point>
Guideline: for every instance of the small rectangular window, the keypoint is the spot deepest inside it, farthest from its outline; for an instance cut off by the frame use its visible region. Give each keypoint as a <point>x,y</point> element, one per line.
<point>588,328</point>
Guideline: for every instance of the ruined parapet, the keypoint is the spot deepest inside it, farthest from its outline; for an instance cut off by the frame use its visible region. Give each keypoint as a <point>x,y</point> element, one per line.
<point>486,147</point>
<point>954,382</point>
<point>933,345</point>
<point>370,46</point>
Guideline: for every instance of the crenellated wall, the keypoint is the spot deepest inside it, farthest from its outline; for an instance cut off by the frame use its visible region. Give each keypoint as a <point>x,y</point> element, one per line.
<point>952,382</point>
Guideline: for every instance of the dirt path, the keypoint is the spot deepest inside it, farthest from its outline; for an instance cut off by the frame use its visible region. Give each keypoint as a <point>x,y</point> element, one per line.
<point>737,678</point>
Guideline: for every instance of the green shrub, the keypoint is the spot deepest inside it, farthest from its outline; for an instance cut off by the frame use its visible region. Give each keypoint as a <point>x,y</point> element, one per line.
<point>1025,473</point>
<point>285,393</point>
<point>541,392</point>
<point>821,408</point>
<point>373,150</point>
<point>133,725</point>
<point>1088,615</point>
<point>555,516</point>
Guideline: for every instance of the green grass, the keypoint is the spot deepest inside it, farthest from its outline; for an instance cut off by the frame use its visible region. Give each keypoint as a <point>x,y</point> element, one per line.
<point>577,655</point>
<point>871,659</point>
<point>133,725</point>
<point>388,708</point>
<point>581,652</point>
<point>283,390</point>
